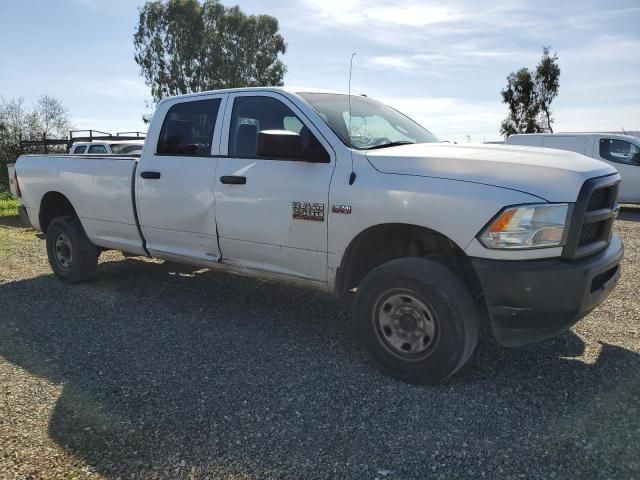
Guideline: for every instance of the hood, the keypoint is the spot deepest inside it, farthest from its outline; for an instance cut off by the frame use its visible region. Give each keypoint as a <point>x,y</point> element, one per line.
<point>553,175</point>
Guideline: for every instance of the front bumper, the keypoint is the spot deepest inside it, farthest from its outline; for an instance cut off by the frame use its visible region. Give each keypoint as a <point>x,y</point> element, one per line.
<point>532,300</point>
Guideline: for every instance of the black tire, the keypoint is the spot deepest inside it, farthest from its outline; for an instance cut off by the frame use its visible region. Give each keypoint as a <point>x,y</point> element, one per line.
<point>419,292</point>
<point>73,258</point>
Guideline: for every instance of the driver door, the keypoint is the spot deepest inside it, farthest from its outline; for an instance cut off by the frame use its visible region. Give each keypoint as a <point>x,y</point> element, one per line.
<point>271,212</point>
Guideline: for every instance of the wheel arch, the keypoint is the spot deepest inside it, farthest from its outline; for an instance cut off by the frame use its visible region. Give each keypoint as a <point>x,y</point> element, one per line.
<point>381,243</point>
<point>54,204</point>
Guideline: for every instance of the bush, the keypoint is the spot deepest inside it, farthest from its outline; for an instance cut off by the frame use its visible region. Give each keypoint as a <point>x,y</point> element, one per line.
<point>8,204</point>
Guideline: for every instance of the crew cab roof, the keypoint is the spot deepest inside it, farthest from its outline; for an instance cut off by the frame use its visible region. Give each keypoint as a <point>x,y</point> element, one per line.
<point>294,90</point>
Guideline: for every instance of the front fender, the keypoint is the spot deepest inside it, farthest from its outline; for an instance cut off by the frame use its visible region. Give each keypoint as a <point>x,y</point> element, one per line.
<point>455,209</point>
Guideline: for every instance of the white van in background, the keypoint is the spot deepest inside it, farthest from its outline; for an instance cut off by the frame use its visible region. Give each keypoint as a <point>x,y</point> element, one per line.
<point>621,151</point>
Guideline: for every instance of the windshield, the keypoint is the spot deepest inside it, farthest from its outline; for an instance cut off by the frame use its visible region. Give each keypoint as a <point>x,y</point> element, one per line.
<point>373,124</point>
<point>122,148</point>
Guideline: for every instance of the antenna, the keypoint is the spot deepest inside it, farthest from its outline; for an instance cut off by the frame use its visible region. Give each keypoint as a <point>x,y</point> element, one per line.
<point>352,177</point>
<point>350,127</point>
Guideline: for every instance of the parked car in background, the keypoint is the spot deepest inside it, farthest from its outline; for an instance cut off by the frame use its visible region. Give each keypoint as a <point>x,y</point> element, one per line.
<point>345,194</point>
<point>83,142</point>
<point>620,151</point>
<point>107,148</point>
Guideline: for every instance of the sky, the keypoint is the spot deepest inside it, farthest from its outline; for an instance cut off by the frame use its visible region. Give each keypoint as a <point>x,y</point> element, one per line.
<point>442,63</point>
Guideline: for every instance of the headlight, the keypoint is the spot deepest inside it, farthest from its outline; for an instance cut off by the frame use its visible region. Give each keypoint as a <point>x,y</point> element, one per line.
<point>527,226</point>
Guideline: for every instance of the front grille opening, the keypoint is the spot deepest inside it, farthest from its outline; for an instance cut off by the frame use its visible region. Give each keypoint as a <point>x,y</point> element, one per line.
<point>601,198</point>
<point>591,232</point>
<point>592,219</point>
<point>601,279</point>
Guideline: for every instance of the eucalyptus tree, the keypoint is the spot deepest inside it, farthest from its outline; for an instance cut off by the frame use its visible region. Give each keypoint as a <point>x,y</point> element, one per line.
<point>528,96</point>
<point>185,46</point>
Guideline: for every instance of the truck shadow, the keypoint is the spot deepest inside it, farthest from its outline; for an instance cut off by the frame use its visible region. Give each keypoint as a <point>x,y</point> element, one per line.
<point>165,370</point>
<point>11,221</point>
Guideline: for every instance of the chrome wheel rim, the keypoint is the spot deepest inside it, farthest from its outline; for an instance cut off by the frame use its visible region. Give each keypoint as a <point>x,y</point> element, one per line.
<point>64,255</point>
<point>405,323</point>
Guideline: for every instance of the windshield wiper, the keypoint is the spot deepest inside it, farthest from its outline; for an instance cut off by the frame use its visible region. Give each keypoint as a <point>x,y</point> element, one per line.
<point>391,144</point>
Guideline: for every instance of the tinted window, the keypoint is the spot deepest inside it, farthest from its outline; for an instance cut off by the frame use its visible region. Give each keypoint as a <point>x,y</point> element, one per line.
<point>251,115</point>
<point>619,151</point>
<point>80,149</point>
<point>97,149</point>
<point>123,148</point>
<point>188,128</point>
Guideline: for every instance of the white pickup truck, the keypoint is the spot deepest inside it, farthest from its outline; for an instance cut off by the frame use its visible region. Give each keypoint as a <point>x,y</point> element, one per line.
<point>107,148</point>
<point>347,196</point>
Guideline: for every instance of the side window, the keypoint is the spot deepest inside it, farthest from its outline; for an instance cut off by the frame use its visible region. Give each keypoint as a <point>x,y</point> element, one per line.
<point>97,149</point>
<point>188,128</point>
<point>80,149</point>
<point>251,115</point>
<point>619,151</point>
<point>293,124</point>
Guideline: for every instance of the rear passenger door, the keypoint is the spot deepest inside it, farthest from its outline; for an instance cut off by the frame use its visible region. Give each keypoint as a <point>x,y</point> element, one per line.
<point>272,212</point>
<point>176,180</point>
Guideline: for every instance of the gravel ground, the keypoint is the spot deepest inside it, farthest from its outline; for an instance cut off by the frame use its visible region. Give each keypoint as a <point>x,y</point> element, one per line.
<point>157,371</point>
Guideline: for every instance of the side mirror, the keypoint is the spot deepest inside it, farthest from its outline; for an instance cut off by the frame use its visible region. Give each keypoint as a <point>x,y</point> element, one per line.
<point>283,144</point>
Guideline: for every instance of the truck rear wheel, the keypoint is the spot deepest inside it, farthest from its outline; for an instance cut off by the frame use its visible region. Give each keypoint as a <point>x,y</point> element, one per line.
<point>72,256</point>
<point>417,320</point>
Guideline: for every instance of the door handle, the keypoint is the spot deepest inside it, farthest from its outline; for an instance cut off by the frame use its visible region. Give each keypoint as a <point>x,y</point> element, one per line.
<point>233,180</point>
<point>150,175</point>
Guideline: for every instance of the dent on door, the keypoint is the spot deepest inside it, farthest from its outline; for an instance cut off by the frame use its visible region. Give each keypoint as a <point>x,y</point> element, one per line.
<point>176,196</point>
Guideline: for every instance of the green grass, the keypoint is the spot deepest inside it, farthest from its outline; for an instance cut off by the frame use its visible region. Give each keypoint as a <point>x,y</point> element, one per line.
<point>13,234</point>
<point>8,205</point>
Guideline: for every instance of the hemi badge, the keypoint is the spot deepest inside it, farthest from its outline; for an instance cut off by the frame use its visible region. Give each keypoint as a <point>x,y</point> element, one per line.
<point>346,209</point>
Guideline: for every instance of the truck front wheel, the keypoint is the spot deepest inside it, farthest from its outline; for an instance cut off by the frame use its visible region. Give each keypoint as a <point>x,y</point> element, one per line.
<point>417,320</point>
<point>72,256</point>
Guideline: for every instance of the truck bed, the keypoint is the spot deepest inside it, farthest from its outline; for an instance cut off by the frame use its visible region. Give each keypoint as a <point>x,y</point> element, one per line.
<point>99,187</point>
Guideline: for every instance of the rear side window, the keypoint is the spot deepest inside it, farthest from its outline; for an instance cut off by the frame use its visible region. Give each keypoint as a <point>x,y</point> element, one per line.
<point>188,128</point>
<point>619,151</point>
<point>97,149</point>
<point>80,149</point>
